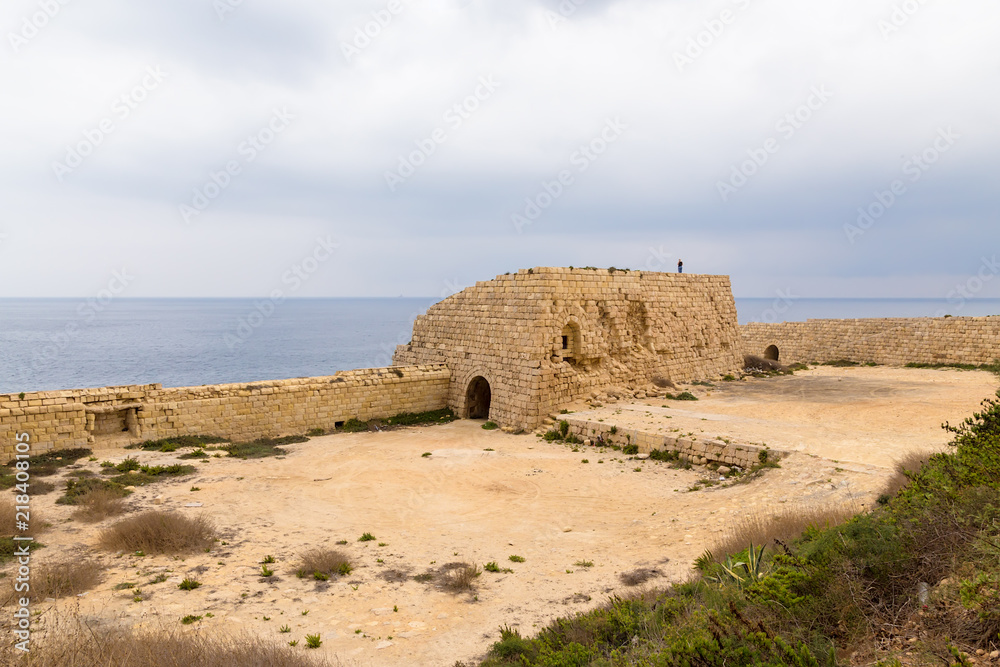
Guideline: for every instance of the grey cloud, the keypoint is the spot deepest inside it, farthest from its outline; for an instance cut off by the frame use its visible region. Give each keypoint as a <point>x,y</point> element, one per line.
<point>657,184</point>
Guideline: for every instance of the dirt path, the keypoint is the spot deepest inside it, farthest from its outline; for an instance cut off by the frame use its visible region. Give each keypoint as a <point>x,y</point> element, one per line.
<point>482,496</point>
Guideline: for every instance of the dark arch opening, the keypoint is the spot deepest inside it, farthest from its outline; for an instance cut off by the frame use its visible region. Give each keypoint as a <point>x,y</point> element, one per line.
<point>771,352</point>
<point>477,399</point>
<point>570,342</point>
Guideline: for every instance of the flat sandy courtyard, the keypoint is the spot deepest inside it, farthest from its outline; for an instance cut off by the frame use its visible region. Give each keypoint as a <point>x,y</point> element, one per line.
<point>484,495</point>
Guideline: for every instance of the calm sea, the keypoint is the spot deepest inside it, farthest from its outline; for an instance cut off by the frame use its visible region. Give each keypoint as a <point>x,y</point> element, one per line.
<point>72,343</point>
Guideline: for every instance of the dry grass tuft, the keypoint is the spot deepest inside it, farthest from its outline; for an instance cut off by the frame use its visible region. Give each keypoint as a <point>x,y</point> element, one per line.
<point>158,532</point>
<point>763,529</point>
<point>459,577</point>
<point>910,463</point>
<point>753,363</point>
<point>60,580</point>
<point>99,504</point>
<point>75,644</point>
<point>324,561</point>
<point>638,576</point>
<point>8,528</point>
<point>663,382</point>
<point>8,519</point>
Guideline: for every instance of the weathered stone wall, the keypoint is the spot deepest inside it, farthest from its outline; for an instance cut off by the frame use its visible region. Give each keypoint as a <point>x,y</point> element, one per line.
<point>693,449</point>
<point>623,328</point>
<point>889,341</point>
<point>113,416</point>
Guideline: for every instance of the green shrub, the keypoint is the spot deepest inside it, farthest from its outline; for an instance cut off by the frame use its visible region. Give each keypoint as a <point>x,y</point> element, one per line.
<point>354,425</point>
<point>128,465</point>
<point>189,584</point>
<point>177,442</point>
<point>76,489</point>
<point>49,463</point>
<point>441,416</point>
<point>262,447</point>
<point>196,454</point>
<point>683,396</point>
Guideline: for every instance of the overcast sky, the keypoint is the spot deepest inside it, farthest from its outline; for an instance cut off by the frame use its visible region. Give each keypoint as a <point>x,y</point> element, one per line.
<point>224,147</point>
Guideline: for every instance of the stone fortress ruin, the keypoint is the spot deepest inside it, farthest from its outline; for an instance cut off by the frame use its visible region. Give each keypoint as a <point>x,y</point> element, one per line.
<point>514,350</point>
<point>524,344</point>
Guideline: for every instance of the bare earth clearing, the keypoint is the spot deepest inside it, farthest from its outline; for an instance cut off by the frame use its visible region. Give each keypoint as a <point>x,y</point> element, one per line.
<point>526,497</point>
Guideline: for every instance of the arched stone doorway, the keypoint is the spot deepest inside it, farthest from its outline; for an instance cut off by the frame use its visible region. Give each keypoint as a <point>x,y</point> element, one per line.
<point>477,399</point>
<point>771,352</point>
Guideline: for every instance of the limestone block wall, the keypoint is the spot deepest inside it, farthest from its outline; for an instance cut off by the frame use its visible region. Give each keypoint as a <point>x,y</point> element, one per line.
<point>546,336</point>
<point>114,416</point>
<point>693,449</point>
<point>60,419</point>
<point>889,341</point>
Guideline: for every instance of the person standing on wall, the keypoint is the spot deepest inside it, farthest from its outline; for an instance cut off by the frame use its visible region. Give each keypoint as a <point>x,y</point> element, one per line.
<point>680,266</point>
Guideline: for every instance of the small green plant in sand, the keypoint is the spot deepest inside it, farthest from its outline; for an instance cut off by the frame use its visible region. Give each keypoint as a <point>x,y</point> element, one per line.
<point>189,584</point>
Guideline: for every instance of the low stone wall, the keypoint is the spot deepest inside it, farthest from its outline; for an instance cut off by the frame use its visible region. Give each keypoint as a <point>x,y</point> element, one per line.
<point>115,416</point>
<point>889,341</point>
<point>695,450</point>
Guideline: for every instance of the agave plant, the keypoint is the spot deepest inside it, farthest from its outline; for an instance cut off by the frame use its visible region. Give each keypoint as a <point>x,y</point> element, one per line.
<point>741,572</point>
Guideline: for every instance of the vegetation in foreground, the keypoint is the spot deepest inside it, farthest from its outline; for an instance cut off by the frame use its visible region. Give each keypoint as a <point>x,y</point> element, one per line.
<point>917,578</point>
<point>321,563</point>
<point>442,416</point>
<point>42,465</point>
<point>73,643</point>
<point>8,514</point>
<point>993,367</point>
<point>158,532</point>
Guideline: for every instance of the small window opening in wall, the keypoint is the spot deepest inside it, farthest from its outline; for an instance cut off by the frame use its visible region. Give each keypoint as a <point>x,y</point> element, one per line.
<point>570,336</point>
<point>338,425</point>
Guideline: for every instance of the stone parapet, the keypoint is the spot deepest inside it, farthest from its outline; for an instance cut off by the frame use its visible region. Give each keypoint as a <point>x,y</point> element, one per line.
<point>114,416</point>
<point>689,448</point>
<point>887,341</point>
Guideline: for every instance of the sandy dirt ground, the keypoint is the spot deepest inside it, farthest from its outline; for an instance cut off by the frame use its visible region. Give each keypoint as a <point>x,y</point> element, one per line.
<point>482,496</point>
<point>825,411</point>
